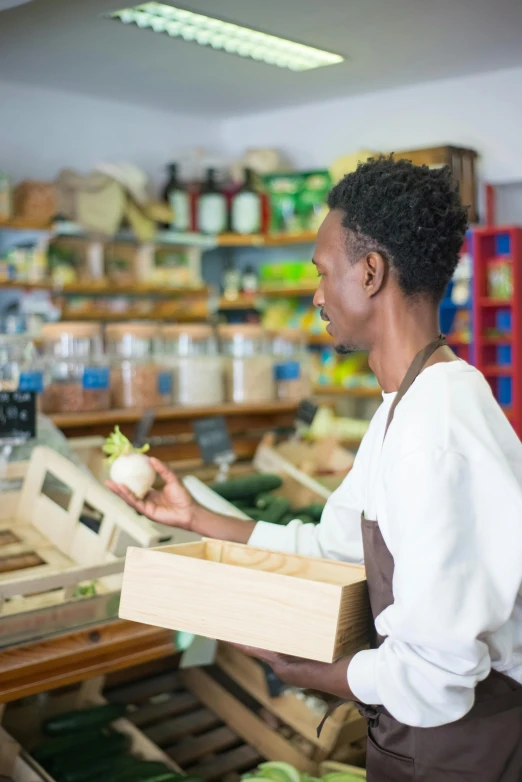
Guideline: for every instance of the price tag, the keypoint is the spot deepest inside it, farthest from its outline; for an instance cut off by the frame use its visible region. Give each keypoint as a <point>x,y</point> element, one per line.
<point>305,413</point>
<point>213,440</point>
<point>143,428</point>
<point>17,415</point>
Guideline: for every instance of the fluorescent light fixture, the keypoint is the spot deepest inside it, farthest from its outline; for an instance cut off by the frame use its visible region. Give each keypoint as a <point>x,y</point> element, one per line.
<point>231,38</point>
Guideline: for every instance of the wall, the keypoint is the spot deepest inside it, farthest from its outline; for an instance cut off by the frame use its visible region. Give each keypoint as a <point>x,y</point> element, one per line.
<point>483,112</point>
<point>42,131</point>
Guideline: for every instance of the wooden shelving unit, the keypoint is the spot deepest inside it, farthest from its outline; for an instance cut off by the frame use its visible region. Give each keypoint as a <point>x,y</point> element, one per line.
<point>105,288</point>
<point>360,392</point>
<point>497,322</point>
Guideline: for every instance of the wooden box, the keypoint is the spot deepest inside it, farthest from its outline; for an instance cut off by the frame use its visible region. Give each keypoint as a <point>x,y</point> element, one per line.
<point>62,541</point>
<point>312,608</point>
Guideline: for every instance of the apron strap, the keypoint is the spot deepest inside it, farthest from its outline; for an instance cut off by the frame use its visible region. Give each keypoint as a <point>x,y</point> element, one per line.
<point>416,367</point>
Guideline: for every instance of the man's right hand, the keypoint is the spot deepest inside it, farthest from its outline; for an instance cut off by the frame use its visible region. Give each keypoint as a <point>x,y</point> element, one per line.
<point>171,505</point>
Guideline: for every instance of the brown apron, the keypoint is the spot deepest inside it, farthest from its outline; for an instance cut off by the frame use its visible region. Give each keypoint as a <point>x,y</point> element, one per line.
<point>483,746</point>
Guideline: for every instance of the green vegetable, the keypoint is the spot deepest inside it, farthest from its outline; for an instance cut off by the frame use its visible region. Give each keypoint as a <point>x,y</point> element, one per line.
<point>142,770</point>
<point>276,510</point>
<point>117,445</point>
<point>104,747</point>
<point>246,487</point>
<point>95,769</point>
<point>315,510</point>
<point>279,772</point>
<point>254,513</point>
<point>264,500</point>
<point>304,518</point>
<point>75,742</point>
<point>83,719</point>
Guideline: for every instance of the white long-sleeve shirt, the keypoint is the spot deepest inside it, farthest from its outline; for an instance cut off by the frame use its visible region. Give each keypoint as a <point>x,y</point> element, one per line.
<point>446,489</point>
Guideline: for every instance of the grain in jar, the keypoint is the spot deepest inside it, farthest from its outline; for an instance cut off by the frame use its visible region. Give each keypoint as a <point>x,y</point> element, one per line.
<point>249,365</point>
<point>78,374</point>
<point>292,367</point>
<point>138,379</point>
<point>191,352</point>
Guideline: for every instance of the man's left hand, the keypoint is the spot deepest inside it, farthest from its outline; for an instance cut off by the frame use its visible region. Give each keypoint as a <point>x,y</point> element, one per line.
<point>330,678</point>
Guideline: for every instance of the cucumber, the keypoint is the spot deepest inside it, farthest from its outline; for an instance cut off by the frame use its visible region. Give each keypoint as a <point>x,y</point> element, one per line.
<point>254,513</point>
<point>105,747</point>
<point>246,487</point>
<point>142,770</point>
<point>57,746</point>
<point>276,510</point>
<point>305,518</point>
<point>92,771</point>
<point>264,500</point>
<point>315,510</point>
<point>83,719</point>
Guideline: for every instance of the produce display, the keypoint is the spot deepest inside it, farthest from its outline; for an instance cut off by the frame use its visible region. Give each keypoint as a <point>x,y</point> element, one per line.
<point>81,746</point>
<point>129,465</point>
<point>255,495</point>
<point>284,772</point>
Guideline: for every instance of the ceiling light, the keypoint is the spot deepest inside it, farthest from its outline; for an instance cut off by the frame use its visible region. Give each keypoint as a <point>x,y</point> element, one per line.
<point>230,38</point>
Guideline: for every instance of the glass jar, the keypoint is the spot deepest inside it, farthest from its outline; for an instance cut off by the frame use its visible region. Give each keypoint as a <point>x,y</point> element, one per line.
<point>248,363</point>
<point>191,351</point>
<point>293,365</point>
<point>138,379</point>
<point>78,374</point>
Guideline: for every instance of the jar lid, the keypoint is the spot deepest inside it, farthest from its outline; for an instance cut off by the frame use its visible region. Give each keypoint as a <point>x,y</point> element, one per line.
<point>72,328</point>
<point>252,330</point>
<point>194,330</point>
<point>143,330</point>
<point>289,370</point>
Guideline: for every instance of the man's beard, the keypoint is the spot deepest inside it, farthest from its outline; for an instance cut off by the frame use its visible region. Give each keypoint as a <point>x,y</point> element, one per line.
<point>344,349</point>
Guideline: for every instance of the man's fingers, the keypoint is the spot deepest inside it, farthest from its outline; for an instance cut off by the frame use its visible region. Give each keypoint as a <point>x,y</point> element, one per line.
<point>260,654</point>
<point>163,471</point>
<point>126,494</point>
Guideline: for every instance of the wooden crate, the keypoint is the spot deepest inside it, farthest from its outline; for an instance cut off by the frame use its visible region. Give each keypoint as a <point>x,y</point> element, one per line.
<point>47,553</point>
<point>285,603</point>
<point>23,720</point>
<point>343,728</point>
<point>172,709</point>
<point>14,765</point>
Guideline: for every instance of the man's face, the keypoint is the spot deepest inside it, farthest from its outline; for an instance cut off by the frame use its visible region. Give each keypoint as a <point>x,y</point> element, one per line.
<point>341,293</point>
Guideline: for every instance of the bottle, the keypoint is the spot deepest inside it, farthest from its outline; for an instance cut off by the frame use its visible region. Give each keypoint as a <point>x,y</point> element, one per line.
<point>178,198</point>
<point>246,207</point>
<point>231,282</point>
<point>250,281</point>
<point>212,207</point>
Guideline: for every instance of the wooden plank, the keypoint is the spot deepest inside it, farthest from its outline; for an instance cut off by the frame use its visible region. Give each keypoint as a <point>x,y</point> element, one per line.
<point>244,722</point>
<point>169,731</point>
<point>194,747</point>
<point>287,707</point>
<point>270,600</point>
<point>143,689</point>
<point>66,659</point>
<point>154,712</point>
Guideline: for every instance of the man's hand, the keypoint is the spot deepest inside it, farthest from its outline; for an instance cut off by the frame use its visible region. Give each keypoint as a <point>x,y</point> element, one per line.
<point>330,678</point>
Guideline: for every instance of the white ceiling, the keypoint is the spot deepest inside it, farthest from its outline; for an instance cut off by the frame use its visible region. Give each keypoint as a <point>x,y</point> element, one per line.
<point>65,44</point>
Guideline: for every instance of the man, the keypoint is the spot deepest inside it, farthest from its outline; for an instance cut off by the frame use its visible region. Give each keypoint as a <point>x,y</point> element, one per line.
<point>438,484</point>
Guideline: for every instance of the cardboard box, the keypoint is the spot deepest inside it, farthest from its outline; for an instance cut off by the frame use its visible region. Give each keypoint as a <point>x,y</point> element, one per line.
<point>312,608</point>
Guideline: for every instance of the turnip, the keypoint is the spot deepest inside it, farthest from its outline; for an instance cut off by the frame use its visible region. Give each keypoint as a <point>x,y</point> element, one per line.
<point>129,465</point>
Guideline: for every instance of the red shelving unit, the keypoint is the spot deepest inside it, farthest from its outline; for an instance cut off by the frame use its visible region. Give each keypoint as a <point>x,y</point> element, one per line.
<point>497,323</point>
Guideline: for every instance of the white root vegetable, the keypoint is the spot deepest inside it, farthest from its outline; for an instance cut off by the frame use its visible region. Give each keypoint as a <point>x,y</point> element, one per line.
<point>128,465</point>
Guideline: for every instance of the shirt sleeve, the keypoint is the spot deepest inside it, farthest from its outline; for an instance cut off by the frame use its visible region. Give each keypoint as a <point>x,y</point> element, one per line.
<point>456,539</point>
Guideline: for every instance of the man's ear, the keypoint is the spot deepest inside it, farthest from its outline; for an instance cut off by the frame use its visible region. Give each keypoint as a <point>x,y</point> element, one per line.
<point>375,273</point>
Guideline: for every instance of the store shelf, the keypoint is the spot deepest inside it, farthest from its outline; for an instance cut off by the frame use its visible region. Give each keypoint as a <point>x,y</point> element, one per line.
<point>362,392</point>
<point>183,316</point>
<point>105,288</point>
<point>22,224</point>
<point>71,420</point>
<point>283,290</point>
<point>65,659</point>
<point>485,301</point>
<point>497,370</point>
<point>265,240</point>
<point>505,339</point>
<point>319,339</point>
<point>241,303</point>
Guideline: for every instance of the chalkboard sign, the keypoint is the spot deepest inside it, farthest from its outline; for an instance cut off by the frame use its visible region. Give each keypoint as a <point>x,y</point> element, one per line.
<point>143,428</point>
<point>305,413</point>
<point>213,440</point>
<point>17,415</point>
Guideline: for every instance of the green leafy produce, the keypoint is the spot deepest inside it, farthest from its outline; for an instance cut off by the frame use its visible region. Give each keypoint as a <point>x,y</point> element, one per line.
<point>246,487</point>
<point>117,445</point>
<point>129,465</point>
<point>83,719</point>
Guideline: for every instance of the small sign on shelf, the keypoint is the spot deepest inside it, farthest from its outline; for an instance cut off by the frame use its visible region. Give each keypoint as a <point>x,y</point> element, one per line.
<point>17,416</point>
<point>214,443</point>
